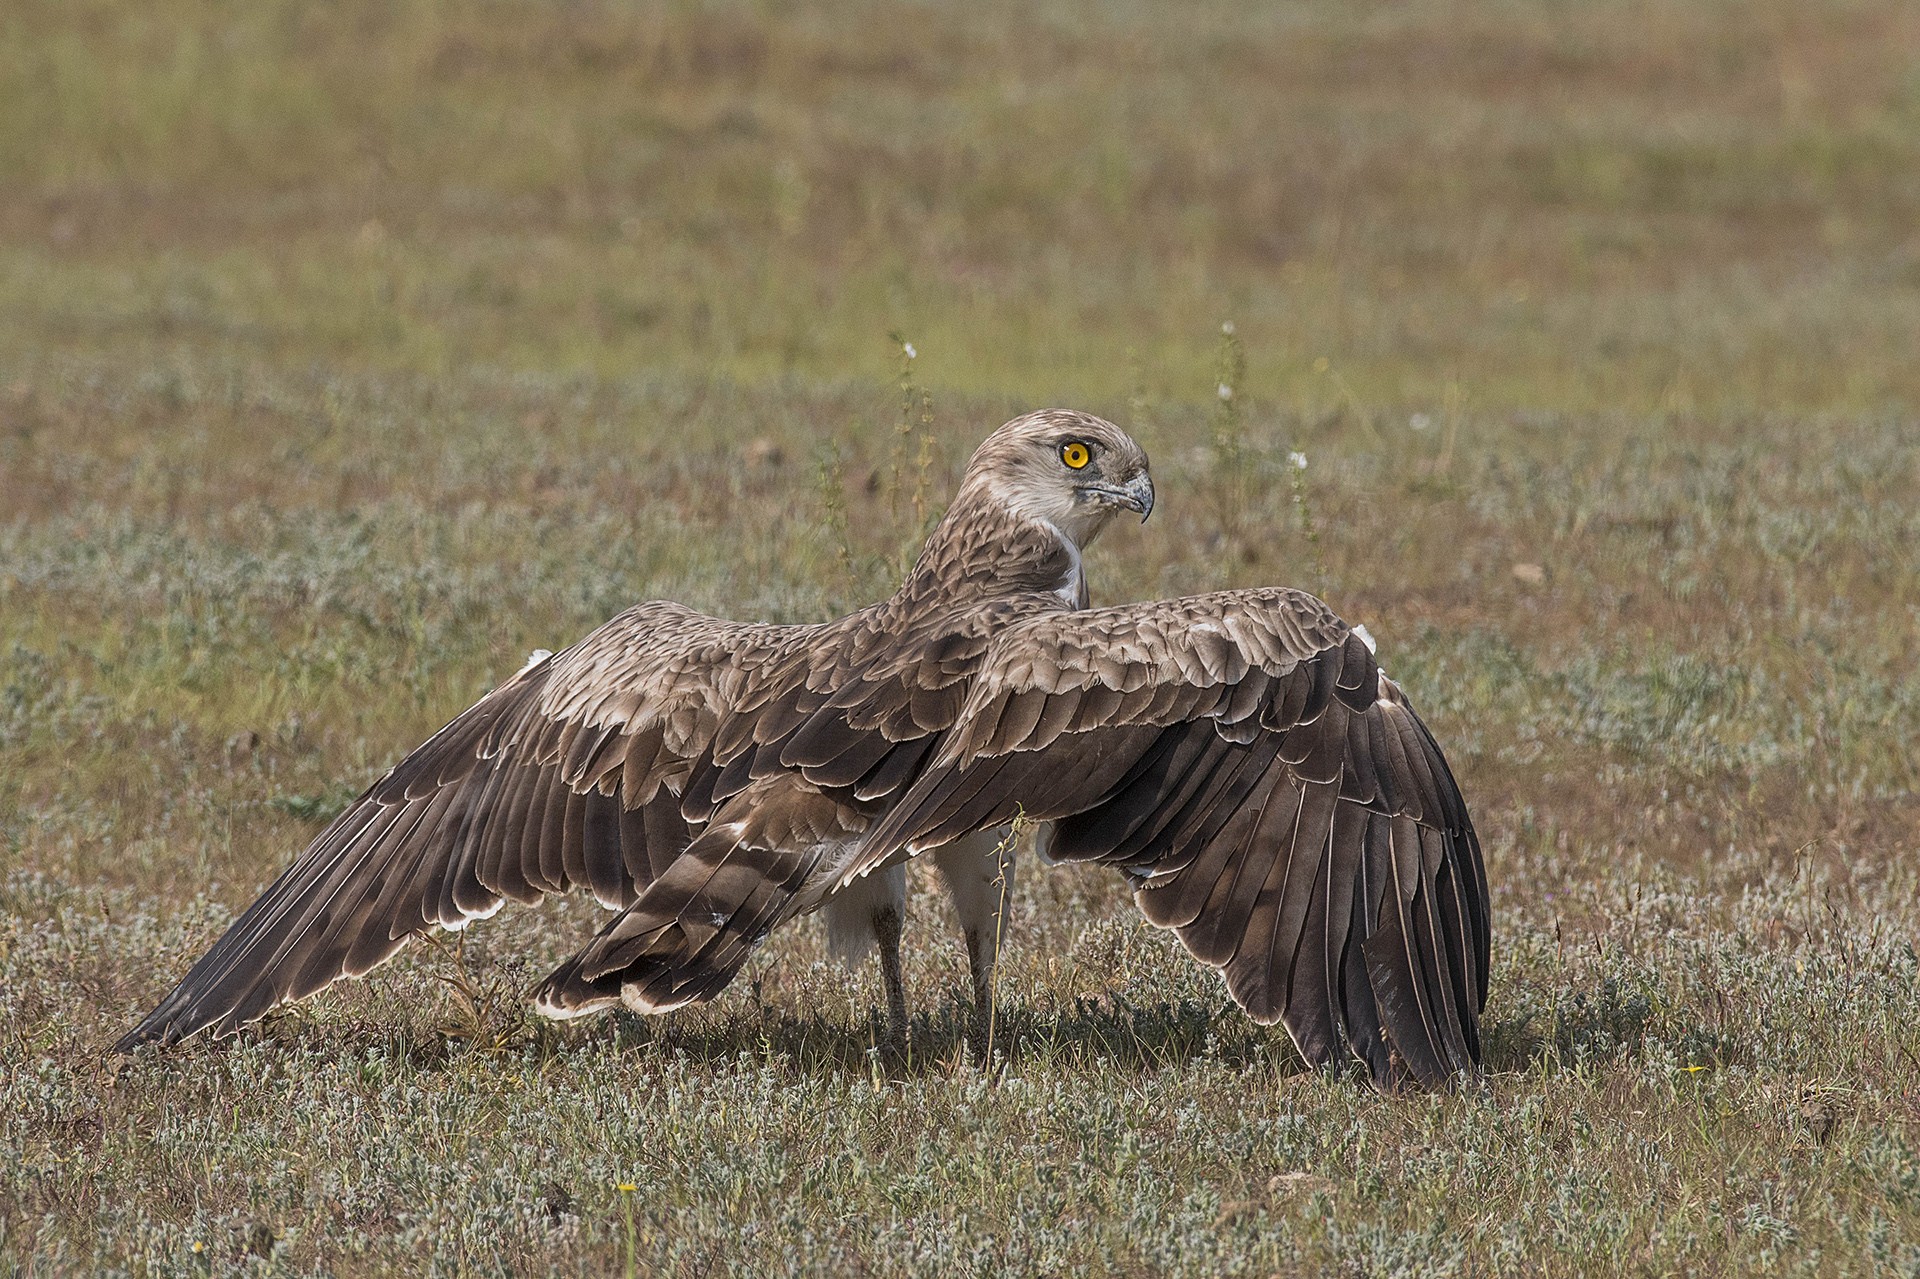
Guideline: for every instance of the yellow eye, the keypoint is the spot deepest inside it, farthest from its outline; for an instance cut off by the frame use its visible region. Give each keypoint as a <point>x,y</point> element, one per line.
<point>1075,454</point>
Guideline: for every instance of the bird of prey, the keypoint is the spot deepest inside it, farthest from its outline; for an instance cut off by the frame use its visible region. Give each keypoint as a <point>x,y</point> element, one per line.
<point>1240,757</point>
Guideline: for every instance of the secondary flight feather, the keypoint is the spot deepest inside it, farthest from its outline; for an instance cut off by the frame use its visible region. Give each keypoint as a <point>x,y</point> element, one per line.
<point>1240,757</point>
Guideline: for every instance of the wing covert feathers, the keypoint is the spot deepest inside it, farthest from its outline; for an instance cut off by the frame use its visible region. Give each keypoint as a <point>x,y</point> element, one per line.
<point>1269,792</point>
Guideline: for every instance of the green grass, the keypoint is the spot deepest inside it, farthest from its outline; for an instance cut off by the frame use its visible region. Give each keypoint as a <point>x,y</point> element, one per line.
<point>349,353</point>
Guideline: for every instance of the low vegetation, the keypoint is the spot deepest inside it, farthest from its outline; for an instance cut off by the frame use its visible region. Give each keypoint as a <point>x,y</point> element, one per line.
<point>348,354</point>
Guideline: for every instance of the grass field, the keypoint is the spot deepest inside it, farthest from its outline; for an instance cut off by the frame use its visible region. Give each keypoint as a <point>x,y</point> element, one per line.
<point>347,353</point>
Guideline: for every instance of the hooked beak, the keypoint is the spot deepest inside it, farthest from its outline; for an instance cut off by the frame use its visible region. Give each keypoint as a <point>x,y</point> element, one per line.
<point>1136,494</point>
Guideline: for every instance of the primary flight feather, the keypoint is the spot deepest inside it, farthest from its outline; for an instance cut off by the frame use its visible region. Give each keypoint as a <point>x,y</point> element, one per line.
<point>1240,757</point>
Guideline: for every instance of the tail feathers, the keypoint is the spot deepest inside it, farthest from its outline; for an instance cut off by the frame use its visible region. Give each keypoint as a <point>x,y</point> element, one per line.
<point>688,934</point>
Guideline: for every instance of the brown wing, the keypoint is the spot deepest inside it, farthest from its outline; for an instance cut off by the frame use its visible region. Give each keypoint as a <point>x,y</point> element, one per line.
<point>1273,797</point>
<point>568,774</point>
<point>847,729</point>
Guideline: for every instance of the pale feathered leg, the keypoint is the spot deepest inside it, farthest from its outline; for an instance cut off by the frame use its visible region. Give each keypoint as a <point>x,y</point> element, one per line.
<point>886,932</point>
<point>869,913</point>
<point>978,871</point>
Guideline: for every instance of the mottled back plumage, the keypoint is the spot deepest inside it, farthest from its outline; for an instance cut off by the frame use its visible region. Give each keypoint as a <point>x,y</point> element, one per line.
<point>1239,757</point>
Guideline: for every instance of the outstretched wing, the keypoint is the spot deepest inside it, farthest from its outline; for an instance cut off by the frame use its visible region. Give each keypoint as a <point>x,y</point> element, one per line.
<point>1269,791</point>
<point>568,774</point>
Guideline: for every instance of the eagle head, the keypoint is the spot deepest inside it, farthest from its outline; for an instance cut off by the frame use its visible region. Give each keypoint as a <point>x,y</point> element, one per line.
<point>1068,469</point>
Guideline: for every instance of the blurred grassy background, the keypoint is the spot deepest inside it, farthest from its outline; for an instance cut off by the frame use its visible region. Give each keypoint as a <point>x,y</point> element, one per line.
<point>1630,206</point>
<point>349,352</point>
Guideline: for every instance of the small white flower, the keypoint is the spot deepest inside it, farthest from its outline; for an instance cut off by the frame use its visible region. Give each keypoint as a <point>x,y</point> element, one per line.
<point>1420,421</point>
<point>1226,392</point>
<point>1226,328</point>
<point>908,348</point>
<point>1298,460</point>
